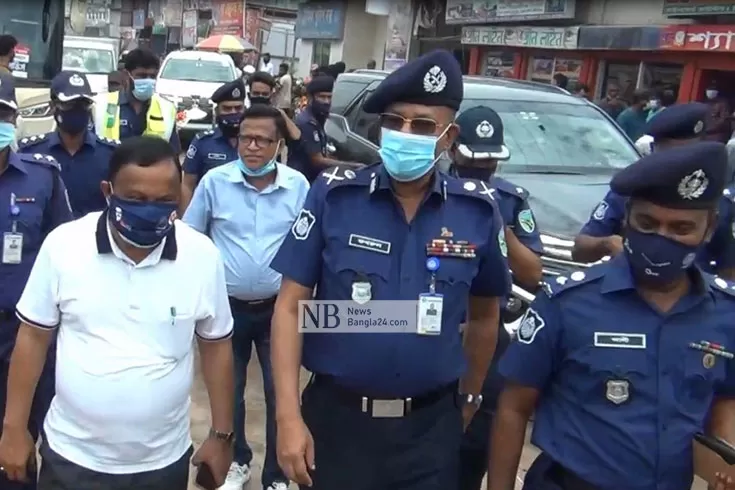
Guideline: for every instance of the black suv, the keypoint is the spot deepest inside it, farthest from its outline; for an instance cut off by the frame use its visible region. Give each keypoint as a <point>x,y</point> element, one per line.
<point>564,150</point>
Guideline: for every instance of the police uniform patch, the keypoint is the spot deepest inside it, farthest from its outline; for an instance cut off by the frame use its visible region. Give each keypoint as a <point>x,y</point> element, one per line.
<point>618,391</point>
<point>531,324</point>
<point>361,292</point>
<point>302,226</point>
<point>502,243</point>
<point>708,361</point>
<point>600,211</point>
<point>191,152</point>
<point>316,137</point>
<point>526,221</point>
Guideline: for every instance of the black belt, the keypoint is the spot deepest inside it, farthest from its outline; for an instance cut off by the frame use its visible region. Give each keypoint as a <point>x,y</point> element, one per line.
<point>568,480</point>
<point>252,305</point>
<point>380,407</point>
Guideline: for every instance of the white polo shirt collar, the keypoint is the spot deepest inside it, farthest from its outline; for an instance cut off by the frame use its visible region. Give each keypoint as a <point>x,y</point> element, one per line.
<point>105,245</point>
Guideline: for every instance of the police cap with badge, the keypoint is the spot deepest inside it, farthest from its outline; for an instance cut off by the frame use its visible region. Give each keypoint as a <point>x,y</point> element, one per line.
<point>691,176</point>
<point>70,85</point>
<point>233,91</point>
<point>434,79</point>
<point>481,134</point>
<point>680,121</point>
<point>320,84</point>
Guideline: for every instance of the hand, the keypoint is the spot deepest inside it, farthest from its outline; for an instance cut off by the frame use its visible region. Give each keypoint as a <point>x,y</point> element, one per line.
<point>283,113</point>
<point>16,450</point>
<point>217,454</point>
<point>295,448</point>
<point>614,245</point>
<point>724,482</point>
<point>468,411</point>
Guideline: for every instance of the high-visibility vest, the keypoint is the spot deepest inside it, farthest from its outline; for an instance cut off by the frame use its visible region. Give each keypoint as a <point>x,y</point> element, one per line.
<point>160,118</point>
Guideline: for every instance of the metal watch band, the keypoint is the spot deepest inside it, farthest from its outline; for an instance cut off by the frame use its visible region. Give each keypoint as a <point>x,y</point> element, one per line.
<point>222,436</point>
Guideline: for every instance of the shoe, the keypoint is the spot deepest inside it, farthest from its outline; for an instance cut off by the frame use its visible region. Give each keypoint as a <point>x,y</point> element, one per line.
<point>279,485</point>
<point>237,477</point>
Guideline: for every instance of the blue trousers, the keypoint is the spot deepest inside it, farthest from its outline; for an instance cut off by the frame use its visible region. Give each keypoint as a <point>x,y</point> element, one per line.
<point>252,327</point>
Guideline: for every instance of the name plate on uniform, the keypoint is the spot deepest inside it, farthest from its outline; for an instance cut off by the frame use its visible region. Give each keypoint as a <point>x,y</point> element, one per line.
<point>617,340</point>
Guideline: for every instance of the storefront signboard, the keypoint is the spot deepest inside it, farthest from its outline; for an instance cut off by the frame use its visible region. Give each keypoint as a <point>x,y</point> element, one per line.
<point>228,17</point>
<point>709,38</point>
<point>494,11</point>
<point>522,36</point>
<point>698,7</point>
<point>324,20</point>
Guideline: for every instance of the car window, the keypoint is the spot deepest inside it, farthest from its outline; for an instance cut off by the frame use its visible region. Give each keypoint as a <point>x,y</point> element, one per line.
<point>362,123</point>
<point>542,134</point>
<point>344,93</point>
<point>88,60</point>
<point>197,70</point>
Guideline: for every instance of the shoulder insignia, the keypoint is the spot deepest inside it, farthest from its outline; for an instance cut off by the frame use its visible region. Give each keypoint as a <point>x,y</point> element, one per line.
<point>509,188</point>
<point>729,194</point>
<point>31,140</point>
<point>727,287</point>
<point>557,285</point>
<point>470,187</point>
<point>337,176</point>
<point>42,159</point>
<point>108,141</point>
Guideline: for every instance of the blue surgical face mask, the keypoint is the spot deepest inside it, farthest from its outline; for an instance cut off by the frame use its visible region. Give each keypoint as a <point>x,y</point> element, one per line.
<point>143,89</point>
<point>657,259</point>
<point>7,134</point>
<point>264,170</point>
<point>142,224</point>
<point>73,121</point>
<point>407,157</point>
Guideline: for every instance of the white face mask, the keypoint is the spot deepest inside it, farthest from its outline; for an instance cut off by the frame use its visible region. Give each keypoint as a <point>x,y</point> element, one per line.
<point>653,104</point>
<point>711,93</point>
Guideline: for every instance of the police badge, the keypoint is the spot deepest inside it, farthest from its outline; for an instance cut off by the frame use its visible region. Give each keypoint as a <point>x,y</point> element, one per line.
<point>362,292</point>
<point>618,391</point>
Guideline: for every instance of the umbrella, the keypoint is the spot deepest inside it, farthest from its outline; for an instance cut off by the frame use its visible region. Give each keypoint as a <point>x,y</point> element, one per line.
<point>226,42</point>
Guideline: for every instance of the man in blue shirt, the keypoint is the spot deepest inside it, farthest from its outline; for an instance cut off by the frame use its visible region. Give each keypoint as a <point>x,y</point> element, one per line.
<point>476,154</point>
<point>625,362</point>
<point>83,156</point>
<point>387,411</point>
<point>218,146</point>
<point>247,207</point>
<point>633,119</point>
<point>36,200</point>
<point>600,236</point>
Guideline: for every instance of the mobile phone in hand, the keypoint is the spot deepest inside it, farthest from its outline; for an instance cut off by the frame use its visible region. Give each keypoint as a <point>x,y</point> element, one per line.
<point>205,478</point>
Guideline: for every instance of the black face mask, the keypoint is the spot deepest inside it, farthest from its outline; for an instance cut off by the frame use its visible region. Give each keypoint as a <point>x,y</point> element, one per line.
<point>229,124</point>
<point>477,173</point>
<point>260,100</point>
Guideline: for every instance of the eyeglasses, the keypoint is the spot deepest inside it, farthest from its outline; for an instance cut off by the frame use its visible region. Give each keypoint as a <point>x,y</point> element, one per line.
<point>259,141</point>
<point>419,125</point>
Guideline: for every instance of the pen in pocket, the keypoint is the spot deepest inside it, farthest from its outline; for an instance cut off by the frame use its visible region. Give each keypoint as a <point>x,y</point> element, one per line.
<point>173,315</point>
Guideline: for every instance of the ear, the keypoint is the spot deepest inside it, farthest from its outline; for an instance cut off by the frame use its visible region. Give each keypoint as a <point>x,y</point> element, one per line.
<point>106,188</point>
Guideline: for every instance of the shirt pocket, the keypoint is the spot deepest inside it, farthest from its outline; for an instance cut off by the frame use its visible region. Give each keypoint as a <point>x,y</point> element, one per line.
<point>30,223</point>
<point>171,330</point>
<point>702,372</point>
<point>606,375</point>
<point>355,267</point>
<point>454,276</point>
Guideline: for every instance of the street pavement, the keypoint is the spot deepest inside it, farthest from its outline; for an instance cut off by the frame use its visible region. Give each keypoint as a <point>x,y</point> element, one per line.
<point>255,426</point>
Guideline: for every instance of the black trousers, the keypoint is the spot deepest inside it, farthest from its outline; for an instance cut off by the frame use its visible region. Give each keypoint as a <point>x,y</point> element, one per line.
<point>58,473</point>
<point>355,451</point>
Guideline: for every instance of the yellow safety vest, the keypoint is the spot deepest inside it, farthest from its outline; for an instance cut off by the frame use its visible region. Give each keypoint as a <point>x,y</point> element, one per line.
<point>160,118</point>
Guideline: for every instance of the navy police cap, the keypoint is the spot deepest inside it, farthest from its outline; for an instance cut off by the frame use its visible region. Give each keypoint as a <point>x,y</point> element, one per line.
<point>71,85</point>
<point>434,79</point>
<point>320,84</point>
<point>690,176</point>
<point>680,121</point>
<point>233,91</point>
<point>481,134</point>
<point>7,91</point>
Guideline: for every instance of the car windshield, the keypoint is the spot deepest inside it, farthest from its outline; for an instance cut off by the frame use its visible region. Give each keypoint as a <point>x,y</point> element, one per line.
<point>559,138</point>
<point>88,60</point>
<point>197,70</point>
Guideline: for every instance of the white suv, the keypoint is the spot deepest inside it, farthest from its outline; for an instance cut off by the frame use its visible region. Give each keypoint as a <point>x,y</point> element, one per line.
<point>188,79</point>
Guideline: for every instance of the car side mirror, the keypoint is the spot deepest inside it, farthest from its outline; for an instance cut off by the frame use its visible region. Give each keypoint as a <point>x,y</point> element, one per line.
<point>336,128</point>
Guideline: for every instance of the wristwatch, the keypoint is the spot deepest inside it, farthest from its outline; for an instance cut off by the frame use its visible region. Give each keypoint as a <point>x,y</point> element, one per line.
<point>226,437</point>
<point>470,399</point>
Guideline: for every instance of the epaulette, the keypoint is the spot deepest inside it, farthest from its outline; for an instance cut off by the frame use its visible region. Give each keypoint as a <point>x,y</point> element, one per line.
<point>108,141</point>
<point>729,194</point>
<point>39,158</point>
<point>477,189</point>
<point>202,134</point>
<point>506,187</point>
<point>342,175</point>
<point>32,140</point>
<point>559,284</point>
<point>720,284</point>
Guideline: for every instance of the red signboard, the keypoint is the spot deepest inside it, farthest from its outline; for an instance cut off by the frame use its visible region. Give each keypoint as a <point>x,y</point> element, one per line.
<point>708,38</point>
<point>227,18</point>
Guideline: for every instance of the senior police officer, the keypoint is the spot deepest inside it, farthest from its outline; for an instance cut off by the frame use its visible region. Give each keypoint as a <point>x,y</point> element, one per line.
<point>35,196</point>
<point>387,411</point>
<point>218,146</point>
<point>310,156</point>
<point>623,362</point>
<point>84,157</point>
<point>677,125</point>
<point>476,154</point>
<point>138,110</point>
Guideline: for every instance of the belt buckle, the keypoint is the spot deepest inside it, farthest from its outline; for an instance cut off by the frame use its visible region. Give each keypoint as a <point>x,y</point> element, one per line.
<point>388,408</point>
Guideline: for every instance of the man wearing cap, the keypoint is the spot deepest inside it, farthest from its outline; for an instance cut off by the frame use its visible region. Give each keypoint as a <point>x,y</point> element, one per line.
<point>382,410</point>
<point>678,125</point>
<point>310,156</point>
<point>35,196</point>
<point>84,157</point>
<point>479,148</point>
<point>625,362</point>
<point>217,146</point>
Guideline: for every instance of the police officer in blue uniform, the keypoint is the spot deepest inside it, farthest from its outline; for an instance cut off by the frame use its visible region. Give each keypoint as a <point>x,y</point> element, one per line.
<point>678,125</point>
<point>475,155</point>
<point>387,410</point>
<point>83,156</point>
<point>35,202</point>
<point>218,146</point>
<point>310,156</point>
<point>623,363</point>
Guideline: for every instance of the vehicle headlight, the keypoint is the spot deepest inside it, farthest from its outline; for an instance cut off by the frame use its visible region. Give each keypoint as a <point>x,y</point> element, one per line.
<point>35,111</point>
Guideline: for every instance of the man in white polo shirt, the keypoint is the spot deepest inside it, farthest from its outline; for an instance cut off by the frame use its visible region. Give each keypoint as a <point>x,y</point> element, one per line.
<point>128,290</point>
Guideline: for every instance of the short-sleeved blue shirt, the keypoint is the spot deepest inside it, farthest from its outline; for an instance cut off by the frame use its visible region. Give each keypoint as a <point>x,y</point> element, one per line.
<point>209,149</point>
<point>622,389</point>
<point>512,201</point>
<point>313,140</point>
<point>350,230</point>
